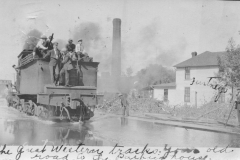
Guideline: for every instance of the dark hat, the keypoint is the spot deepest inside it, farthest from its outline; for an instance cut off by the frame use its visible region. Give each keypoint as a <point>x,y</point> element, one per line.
<point>70,40</point>
<point>55,43</point>
<point>80,40</point>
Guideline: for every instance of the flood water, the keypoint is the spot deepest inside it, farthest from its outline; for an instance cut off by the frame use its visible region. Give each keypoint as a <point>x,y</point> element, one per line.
<point>17,128</point>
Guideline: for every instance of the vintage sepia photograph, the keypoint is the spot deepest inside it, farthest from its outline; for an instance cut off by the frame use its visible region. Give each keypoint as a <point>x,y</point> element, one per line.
<point>129,73</point>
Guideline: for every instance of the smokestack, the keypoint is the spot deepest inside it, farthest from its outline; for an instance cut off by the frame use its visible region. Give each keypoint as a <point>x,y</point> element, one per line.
<point>116,51</point>
<point>194,54</point>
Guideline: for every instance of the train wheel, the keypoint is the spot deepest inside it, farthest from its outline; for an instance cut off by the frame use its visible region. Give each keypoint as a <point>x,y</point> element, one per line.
<point>38,111</point>
<point>19,107</point>
<point>45,114</point>
<point>25,107</point>
<point>30,108</point>
<point>36,108</point>
<point>15,105</point>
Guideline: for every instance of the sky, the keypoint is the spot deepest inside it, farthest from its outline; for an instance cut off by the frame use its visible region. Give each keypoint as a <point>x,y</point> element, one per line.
<point>153,31</point>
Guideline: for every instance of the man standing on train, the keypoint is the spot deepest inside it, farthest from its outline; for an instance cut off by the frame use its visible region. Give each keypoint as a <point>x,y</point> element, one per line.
<point>80,49</point>
<point>70,46</point>
<point>71,50</point>
<point>54,63</point>
<point>67,66</point>
<point>41,47</point>
<point>49,43</point>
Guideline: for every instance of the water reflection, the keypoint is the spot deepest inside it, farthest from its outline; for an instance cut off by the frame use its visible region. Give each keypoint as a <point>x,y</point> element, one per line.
<point>16,132</point>
<point>129,132</point>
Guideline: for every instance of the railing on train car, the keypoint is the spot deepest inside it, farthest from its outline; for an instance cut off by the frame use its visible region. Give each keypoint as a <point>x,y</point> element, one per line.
<point>27,59</point>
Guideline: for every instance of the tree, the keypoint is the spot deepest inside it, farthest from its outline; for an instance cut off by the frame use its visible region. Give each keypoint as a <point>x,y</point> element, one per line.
<point>155,74</point>
<point>230,70</point>
<point>229,65</point>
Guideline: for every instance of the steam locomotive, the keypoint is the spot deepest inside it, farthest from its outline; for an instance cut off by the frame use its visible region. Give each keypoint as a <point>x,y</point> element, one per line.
<point>36,97</point>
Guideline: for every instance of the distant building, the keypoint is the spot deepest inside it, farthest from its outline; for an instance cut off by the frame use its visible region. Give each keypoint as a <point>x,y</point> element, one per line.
<point>164,92</point>
<point>3,84</point>
<point>201,67</point>
<point>146,92</point>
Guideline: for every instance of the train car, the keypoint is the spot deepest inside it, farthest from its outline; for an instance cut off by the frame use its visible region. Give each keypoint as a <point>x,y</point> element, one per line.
<point>37,97</point>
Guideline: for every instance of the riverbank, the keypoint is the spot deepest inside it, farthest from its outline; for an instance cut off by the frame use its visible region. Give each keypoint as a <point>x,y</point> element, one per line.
<point>217,113</point>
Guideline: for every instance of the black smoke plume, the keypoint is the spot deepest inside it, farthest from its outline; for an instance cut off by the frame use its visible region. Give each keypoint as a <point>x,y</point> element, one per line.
<point>94,44</point>
<point>32,38</point>
<point>61,43</point>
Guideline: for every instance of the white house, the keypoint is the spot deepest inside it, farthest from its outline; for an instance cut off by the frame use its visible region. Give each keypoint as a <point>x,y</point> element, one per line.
<point>202,67</point>
<point>164,92</point>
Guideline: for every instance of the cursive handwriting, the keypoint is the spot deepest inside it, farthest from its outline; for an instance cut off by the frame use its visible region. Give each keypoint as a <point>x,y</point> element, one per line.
<point>78,149</point>
<point>218,150</point>
<point>19,152</point>
<point>148,153</point>
<point>3,150</point>
<point>117,152</point>
<point>221,88</point>
<point>50,157</point>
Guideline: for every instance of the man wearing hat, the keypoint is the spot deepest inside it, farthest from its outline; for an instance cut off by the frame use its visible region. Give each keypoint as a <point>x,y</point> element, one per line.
<point>41,47</point>
<point>67,66</point>
<point>71,50</point>
<point>70,46</point>
<point>54,63</point>
<point>125,104</point>
<point>80,49</point>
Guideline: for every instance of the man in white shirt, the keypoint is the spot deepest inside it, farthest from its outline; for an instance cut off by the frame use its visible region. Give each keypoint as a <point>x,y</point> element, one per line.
<point>41,47</point>
<point>80,49</point>
<point>55,57</point>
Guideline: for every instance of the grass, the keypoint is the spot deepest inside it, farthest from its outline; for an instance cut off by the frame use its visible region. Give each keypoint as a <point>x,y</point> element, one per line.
<point>140,106</point>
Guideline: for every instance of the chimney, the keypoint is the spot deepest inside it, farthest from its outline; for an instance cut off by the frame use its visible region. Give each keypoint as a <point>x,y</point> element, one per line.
<point>116,51</point>
<point>194,54</point>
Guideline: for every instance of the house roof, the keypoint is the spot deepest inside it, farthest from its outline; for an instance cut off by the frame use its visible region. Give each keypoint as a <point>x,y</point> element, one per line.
<point>204,59</point>
<point>161,86</point>
<point>165,85</point>
<point>146,88</point>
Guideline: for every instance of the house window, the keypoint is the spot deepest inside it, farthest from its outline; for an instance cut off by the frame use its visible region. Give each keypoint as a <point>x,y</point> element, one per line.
<point>187,73</point>
<point>165,94</point>
<point>187,94</point>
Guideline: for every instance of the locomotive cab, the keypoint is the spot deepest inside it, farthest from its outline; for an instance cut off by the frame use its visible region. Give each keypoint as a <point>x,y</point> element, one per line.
<point>37,97</point>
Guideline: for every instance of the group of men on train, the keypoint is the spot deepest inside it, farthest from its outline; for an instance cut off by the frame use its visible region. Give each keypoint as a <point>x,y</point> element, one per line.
<point>61,62</point>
